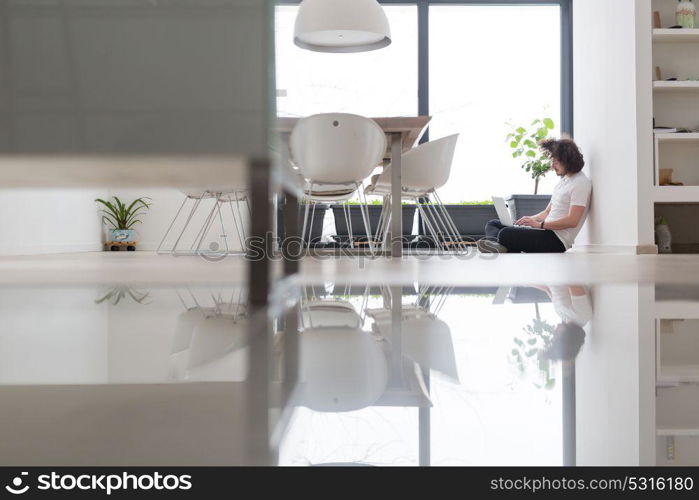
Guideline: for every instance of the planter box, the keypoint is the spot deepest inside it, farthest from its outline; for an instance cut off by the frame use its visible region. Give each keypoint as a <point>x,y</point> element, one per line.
<point>314,232</point>
<point>374,214</point>
<point>522,205</point>
<point>470,220</point>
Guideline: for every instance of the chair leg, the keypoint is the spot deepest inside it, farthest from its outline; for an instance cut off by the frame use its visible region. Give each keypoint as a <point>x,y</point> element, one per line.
<point>348,224</point>
<point>428,223</point>
<point>187,222</point>
<point>159,251</point>
<point>453,230</point>
<point>310,227</point>
<point>380,225</point>
<point>305,215</point>
<point>199,239</point>
<point>364,208</point>
<point>442,228</point>
<point>234,214</point>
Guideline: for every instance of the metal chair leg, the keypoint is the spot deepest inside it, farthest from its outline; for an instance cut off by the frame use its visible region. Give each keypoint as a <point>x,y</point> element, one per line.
<point>452,226</point>
<point>364,208</point>
<point>159,251</point>
<point>187,222</point>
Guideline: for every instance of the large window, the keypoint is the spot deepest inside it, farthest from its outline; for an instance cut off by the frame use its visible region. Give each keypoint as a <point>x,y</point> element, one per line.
<point>489,66</point>
<point>485,64</point>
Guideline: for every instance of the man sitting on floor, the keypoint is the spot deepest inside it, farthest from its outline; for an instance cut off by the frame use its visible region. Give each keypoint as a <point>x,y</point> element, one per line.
<point>562,220</point>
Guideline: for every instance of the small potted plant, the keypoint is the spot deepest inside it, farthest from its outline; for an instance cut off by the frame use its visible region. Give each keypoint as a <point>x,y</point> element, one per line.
<point>524,141</point>
<point>121,219</point>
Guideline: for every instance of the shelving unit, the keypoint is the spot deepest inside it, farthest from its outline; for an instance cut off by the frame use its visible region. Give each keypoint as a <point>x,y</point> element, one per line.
<point>676,104</point>
<point>676,194</point>
<point>676,86</point>
<point>676,35</point>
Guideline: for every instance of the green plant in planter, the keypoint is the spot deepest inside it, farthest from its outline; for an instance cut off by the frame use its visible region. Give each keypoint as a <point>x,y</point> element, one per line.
<point>525,144</point>
<point>121,217</point>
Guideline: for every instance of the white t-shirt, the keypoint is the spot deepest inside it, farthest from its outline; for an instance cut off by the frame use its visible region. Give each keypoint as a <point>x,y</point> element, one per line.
<point>571,190</point>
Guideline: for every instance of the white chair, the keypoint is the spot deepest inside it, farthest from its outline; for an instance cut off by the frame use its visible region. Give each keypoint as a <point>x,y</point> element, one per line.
<point>335,153</point>
<point>211,342</point>
<point>424,169</point>
<point>230,197</point>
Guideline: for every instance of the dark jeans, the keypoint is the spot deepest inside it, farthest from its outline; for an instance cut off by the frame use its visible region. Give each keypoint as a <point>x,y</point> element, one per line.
<point>519,239</point>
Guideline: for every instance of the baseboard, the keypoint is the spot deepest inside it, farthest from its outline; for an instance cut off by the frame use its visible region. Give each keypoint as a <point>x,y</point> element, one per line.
<point>19,250</point>
<point>617,249</point>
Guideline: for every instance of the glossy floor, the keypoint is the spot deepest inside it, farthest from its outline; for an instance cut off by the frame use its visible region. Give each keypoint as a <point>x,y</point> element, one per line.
<point>542,374</point>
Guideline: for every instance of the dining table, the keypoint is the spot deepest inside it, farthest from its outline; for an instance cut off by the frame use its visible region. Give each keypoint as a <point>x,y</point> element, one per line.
<point>403,133</point>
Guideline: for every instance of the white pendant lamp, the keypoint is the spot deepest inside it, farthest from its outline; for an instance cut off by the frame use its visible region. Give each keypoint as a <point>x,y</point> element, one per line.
<point>341,26</point>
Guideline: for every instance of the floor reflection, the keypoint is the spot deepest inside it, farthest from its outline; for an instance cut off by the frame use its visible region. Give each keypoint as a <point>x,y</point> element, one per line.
<point>365,375</point>
<point>434,375</point>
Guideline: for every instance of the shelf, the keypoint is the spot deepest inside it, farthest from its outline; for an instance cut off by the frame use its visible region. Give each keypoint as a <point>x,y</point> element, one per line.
<point>676,194</point>
<point>676,35</point>
<point>677,432</point>
<point>675,86</point>
<point>674,309</point>
<point>676,137</point>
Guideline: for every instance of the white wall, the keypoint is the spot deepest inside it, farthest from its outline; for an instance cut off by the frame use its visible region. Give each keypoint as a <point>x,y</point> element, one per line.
<point>613,117</point>
<point>615,382</point>
<point>49,221</point>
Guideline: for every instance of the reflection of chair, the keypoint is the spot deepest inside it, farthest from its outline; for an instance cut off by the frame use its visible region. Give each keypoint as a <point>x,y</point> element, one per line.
<point>329,313</point>
<point>425,339</point>
<point>229,197</point>
<point>424,169</point>
<point>210,343</point>
<point>218,350</point>
<point>342,369</point>
<point>335,153</point>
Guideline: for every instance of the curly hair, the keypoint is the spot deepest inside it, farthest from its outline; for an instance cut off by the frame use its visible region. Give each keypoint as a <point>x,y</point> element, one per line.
<point>566,152</point>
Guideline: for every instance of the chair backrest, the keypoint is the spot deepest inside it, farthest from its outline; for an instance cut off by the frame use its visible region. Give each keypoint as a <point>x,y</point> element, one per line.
<point>428,165</point>
<point>337,147</point>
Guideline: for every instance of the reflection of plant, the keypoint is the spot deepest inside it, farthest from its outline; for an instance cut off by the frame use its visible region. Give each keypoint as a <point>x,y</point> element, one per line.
<point>527,351</point>
<point>115,295</point>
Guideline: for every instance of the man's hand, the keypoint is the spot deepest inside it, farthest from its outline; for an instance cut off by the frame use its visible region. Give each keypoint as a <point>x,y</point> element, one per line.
<point>528,221</point>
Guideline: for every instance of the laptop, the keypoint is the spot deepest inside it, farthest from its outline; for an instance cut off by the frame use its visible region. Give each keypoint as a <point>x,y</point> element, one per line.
<point>505,215</point>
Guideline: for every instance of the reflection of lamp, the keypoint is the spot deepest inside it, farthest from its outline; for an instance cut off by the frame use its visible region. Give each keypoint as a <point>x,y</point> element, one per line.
<point>341,26</point>
<point>342,369</point>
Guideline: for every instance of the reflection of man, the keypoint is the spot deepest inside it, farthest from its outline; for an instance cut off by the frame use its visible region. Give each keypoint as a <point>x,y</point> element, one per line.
<point>573,306</point>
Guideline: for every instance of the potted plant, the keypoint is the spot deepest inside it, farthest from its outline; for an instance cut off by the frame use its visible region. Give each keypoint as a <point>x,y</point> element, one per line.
<point>122,218</point>
<point>524,141</point>
<point>374,208</point>
<point>470,218</point>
